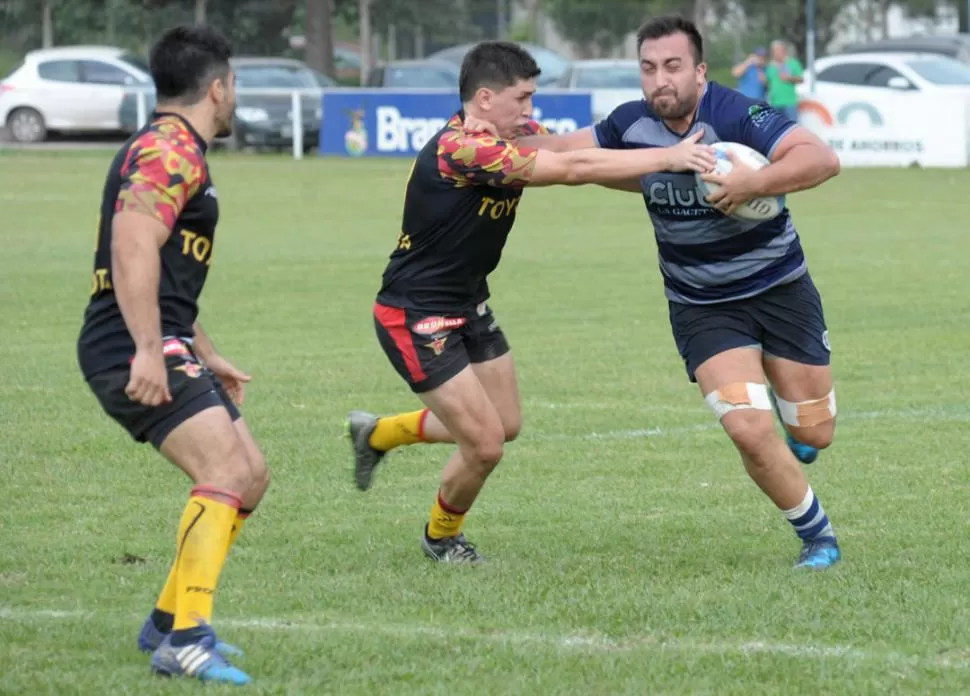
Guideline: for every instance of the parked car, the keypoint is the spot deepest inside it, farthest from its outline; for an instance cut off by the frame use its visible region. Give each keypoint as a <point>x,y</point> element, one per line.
<point>266,120</point>
<point>601,74</point>
<point>610,83</point>
<point>414,74</point>
<point>346,58</point>
<point>857,74</point>
<point>956,46</point>
<point>69,89</point>
<point>552,64</point>
<point>262,120</point>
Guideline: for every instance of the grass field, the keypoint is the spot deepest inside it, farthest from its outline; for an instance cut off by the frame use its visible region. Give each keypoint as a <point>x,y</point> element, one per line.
<point>628,551</point>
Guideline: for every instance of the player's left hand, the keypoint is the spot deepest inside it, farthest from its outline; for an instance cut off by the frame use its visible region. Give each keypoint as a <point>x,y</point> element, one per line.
<point>737,187</point>
<point>232,378</point>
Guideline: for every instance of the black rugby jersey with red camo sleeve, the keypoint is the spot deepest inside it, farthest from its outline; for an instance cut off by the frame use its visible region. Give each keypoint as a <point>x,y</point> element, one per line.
<point>160,172</point>
<point>459,208</point>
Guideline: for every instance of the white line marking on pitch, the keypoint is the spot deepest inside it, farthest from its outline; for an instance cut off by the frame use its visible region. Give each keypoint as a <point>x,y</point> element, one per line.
<point>939,414</point>
<point>577,642</point>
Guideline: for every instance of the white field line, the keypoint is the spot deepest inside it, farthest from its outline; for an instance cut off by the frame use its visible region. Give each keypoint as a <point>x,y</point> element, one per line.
<point>947,415</point>
<point>583,643</point>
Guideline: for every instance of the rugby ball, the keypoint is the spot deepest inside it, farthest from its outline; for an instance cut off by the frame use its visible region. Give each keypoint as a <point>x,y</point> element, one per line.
<point>757,209</point>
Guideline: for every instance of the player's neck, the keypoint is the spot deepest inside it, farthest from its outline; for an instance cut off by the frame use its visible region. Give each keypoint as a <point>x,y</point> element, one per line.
<point>471,109</point>
<point>203,125</point>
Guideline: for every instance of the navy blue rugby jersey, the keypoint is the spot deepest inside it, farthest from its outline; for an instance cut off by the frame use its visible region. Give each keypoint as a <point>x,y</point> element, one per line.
<point>705,256</point>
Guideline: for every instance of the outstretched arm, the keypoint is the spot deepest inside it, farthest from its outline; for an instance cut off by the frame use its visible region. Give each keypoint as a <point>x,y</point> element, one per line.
<point>480,159</point>
<point>620,168</point>
<point>582,139</point>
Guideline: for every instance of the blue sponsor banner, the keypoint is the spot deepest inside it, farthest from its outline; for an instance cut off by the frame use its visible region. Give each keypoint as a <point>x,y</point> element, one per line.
<point>392,123</point>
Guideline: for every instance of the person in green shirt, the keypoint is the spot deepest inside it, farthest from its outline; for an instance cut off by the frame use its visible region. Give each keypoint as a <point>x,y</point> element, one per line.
<point>782,74</point>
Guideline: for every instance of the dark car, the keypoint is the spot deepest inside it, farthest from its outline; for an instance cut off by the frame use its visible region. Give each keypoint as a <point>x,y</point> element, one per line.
<point>414,74</point>
<point>266,120</point>
<point>261,120</point>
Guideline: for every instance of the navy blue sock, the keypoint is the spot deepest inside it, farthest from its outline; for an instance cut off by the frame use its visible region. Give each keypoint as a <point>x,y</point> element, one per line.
<point>163,620</point>
<point>809,518</point>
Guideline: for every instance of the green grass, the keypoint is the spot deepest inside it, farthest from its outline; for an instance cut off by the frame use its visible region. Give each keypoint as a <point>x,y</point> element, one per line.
<point>638,561</point>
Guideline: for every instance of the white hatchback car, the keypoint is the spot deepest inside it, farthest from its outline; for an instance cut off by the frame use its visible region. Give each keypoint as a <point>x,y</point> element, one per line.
<point>857,74</point>
<point>72,88</point>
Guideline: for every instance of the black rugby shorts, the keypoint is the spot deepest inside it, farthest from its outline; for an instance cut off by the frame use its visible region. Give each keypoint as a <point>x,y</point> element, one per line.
<point>194,389</point>
<point>429,348</point>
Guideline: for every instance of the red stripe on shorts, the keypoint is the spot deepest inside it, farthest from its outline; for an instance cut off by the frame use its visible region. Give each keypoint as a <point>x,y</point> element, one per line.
<point>394,321</point>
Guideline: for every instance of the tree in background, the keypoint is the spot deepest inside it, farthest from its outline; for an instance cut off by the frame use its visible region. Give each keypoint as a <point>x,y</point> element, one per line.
<point>596,28</point>
<point>318,30</point>
<point>255,26</point>
<point>930,9</point>
<point>414,28</point>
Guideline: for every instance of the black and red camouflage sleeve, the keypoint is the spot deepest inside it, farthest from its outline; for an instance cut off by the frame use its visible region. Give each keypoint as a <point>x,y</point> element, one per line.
<point>164,169</point>
<point>479,159</point>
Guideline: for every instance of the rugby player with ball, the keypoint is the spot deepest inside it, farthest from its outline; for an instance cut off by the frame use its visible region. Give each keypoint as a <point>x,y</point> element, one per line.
<point>744,310</point>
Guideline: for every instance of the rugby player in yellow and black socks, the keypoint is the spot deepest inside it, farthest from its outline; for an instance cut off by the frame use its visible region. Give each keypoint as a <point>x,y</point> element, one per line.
<point>147,359</point>
<point>432,314</point>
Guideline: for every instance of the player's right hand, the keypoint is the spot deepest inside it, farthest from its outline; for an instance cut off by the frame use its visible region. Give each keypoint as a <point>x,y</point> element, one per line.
<point>688,156</point>
<point>148,379</point>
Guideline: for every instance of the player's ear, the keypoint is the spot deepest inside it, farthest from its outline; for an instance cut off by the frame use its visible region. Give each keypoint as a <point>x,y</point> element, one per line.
<point>701,71</point>
<point>484,97</point>
<point>219,88</point>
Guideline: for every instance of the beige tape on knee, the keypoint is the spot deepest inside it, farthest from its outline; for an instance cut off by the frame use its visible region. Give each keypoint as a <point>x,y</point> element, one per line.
<point>807,414</point>
<point>737,397</point>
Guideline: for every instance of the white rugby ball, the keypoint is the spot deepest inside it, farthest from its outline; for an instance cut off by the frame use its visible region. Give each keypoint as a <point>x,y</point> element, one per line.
<point>757,209</point>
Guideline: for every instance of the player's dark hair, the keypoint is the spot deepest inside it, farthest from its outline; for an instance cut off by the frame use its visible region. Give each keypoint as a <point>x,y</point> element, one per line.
<point>185,61</point>
<point>496,65</point>
<point>667,25</point>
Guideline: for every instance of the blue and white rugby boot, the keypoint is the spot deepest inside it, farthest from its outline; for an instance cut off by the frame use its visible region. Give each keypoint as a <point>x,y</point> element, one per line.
<point>150,638</point>
<point>199,659</point>
<point>819,553</point>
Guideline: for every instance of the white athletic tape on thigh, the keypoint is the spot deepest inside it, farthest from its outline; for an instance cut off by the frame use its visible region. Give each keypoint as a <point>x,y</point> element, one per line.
<point>737,397</point>
<point>806,414</point>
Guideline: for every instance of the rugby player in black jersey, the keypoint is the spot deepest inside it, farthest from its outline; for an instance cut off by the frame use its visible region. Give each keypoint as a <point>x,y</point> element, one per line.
<point>147,359</point>
<point>432,315</point>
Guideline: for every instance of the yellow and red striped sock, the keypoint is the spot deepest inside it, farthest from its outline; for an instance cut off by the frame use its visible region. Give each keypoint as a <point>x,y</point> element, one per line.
<point>203,542</point>
<point>446,520</point>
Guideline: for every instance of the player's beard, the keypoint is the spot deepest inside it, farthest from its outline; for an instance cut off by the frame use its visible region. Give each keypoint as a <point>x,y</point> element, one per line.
<point>669,106</point>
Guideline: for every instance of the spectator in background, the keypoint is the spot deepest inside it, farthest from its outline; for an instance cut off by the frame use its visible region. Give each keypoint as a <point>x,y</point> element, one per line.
<point>783,73</point>
<point>750,74</point>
